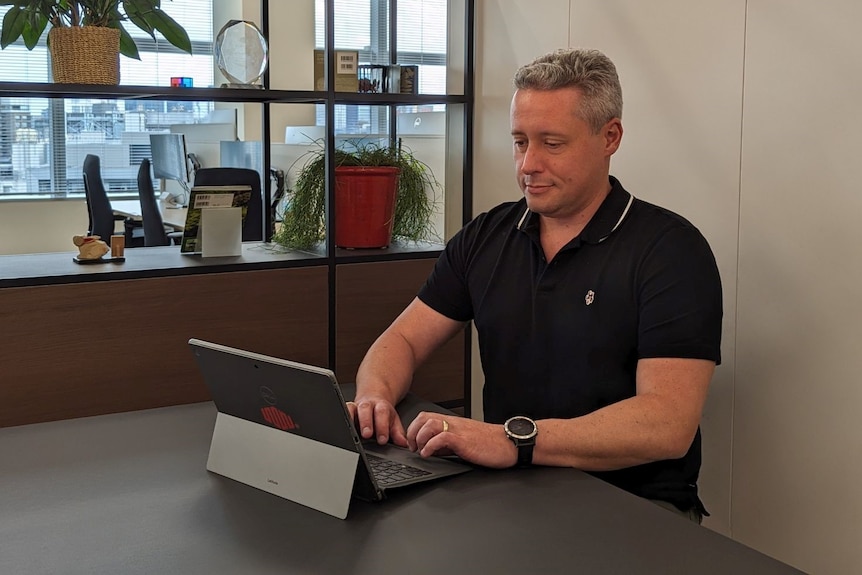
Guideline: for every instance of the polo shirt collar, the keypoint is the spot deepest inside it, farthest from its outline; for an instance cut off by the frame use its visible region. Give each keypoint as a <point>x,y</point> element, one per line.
<point>604,222</point>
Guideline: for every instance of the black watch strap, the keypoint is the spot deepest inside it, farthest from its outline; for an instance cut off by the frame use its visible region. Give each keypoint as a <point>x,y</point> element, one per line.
<point>525,454</point>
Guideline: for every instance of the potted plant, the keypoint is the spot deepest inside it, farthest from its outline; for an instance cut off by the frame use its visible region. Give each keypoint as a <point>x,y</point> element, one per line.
<point>380,192</point>
<point>87,36</point>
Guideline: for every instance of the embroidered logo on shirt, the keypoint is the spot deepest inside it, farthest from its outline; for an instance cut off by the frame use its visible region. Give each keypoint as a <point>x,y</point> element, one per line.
<point>591,295</point>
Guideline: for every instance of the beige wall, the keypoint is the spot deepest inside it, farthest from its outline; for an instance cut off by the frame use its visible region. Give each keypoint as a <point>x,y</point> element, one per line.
<point>797,470</point>
<point>751,132</point>
<point>41,227</point>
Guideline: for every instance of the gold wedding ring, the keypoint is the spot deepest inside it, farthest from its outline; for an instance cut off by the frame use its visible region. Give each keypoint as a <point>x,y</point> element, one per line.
<point>445,426</point>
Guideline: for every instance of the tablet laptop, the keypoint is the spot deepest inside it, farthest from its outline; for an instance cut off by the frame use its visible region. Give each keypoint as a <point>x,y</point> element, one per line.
<point>284,427</point>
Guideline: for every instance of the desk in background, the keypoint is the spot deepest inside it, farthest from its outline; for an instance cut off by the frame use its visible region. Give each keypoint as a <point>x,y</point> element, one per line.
<point>129,493</point>
<point>173,217</point>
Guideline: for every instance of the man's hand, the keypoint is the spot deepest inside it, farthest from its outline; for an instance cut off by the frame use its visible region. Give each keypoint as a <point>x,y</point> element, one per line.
<point>474,441</point>
<point>376,416</point>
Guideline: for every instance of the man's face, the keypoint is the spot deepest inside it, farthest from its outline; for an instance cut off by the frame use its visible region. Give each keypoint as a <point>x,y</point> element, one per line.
<point>562,166</point>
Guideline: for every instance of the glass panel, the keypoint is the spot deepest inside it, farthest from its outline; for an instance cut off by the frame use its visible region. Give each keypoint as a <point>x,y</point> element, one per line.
<point>297,140</point>
<point>363,26</point>
<point>361,32</point>
<point>43,141</point>
<point>423,44</point>
<point>456,47</point>
<point>292,43</point>
<point>425,134</point>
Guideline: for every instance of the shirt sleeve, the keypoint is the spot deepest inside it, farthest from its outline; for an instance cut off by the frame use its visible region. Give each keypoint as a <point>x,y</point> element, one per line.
<point>446,289</point>
<point>680,307</point>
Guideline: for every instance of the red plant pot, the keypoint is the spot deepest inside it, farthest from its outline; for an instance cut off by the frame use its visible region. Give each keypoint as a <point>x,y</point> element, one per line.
<point>365,205</point>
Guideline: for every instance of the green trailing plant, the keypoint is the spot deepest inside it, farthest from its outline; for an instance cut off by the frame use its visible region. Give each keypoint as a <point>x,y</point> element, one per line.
<point>303,223</point>
<point>28,19</point>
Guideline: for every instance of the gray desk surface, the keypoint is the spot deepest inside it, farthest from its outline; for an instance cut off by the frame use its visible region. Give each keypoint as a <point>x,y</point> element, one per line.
<point>172,216</point>
<point>129,493</point>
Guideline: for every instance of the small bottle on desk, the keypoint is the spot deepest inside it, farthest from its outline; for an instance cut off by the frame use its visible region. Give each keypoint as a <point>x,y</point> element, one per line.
<point>118,246</point>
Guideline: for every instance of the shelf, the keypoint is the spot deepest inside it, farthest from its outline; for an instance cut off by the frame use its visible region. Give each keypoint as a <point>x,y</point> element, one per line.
<point>397,250</point>
<point>58,268</point>
<point>396,99</point>
<point>245,95</point>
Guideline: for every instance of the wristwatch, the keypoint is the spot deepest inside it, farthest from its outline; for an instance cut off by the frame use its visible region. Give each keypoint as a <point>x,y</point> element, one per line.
<point>522,431</point>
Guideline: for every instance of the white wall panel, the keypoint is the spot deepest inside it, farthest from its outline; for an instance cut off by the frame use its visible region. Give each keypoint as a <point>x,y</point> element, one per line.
<point>797,470</point>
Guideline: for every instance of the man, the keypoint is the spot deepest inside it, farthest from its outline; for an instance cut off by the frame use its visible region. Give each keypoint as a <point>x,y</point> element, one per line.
<point>598,315</point>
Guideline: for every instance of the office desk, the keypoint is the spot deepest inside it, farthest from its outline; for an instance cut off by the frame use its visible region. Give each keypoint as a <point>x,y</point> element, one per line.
<point>129,493</point>
<point>173,217</point>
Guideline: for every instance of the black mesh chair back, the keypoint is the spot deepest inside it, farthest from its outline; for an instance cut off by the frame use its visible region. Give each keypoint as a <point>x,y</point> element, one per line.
<point>154,227</point>
<point>98,204</point>
<point>252,228</point>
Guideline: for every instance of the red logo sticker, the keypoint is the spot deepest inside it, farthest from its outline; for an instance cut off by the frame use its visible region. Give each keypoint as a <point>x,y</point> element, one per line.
<point>277,418</point>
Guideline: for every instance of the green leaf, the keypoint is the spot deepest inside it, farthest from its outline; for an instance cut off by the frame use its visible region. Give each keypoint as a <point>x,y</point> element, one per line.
<point>127,44</point>
<point>170,29</point>
<point>136,17</point>
<point>13,26</point>
<point>32,33</point>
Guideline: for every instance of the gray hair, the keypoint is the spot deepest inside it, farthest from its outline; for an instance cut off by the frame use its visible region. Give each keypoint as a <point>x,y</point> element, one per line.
<point>589,71</point>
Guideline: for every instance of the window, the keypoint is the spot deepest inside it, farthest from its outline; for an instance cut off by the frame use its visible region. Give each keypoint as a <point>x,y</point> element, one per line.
<point>43,141</point>
<point>363,25</point>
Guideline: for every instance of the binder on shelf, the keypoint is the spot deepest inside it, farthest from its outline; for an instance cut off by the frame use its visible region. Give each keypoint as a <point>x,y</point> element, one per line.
<point>229,205</point>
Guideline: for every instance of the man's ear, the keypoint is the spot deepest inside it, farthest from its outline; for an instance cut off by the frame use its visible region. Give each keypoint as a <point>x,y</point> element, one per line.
<point>613,134</point>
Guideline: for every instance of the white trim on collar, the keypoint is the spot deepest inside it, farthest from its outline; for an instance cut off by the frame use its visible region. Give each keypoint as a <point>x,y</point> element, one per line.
<point>613,229</point>
<point>524,217</point>
<point>622,217</point>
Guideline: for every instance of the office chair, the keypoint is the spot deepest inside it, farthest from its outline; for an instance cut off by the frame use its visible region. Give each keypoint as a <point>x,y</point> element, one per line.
<point>155,231</point>
<point>252,228</point>
<point>279,177</point>
<point>102,217</point>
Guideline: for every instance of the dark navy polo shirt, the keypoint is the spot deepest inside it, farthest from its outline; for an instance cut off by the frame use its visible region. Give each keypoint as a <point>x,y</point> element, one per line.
<point>562,339</point>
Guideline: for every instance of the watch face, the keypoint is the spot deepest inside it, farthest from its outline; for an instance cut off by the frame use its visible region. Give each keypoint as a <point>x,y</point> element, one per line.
<point>521,427</point>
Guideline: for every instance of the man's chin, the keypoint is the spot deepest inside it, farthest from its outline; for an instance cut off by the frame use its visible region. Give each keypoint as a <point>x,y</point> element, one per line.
<point>537,204</point>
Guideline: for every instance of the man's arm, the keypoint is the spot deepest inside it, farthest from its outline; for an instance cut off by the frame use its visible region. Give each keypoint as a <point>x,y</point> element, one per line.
<point>385,373</point>
<point>656,424</point>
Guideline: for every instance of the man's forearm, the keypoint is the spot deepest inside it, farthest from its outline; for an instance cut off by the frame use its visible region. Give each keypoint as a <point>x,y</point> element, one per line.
<point>387,369</point>
<point>632,432</point>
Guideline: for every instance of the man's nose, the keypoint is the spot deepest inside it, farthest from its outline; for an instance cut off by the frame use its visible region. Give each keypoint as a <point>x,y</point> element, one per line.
<point>531,161</point>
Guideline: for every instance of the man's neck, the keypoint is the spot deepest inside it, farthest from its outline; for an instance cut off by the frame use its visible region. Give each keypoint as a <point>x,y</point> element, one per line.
<point>556,232</point>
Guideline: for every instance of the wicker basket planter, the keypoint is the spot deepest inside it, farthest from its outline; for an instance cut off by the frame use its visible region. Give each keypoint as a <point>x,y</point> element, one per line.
<point>85,55</point>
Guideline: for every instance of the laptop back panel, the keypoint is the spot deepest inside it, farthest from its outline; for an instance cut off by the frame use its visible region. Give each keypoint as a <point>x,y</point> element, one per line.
<point>304,401</point>
<point>259,388</point>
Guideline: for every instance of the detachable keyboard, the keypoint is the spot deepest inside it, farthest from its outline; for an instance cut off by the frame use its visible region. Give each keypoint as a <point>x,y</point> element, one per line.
<point>387,472</point>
